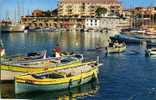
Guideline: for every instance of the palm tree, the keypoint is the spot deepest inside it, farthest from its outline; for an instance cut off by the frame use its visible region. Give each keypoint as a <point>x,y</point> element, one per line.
<point>47,13</point>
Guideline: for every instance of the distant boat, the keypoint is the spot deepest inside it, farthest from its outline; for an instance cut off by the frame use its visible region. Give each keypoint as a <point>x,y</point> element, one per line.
<point>126,38</point>
<point>151,32</point>
<point>42,30</point>
<point>144,36</point>
<point>58,80</point>
<point>116,48</point>
<point>134,31</point>
<point>8,26</point>
<point>150,52</point>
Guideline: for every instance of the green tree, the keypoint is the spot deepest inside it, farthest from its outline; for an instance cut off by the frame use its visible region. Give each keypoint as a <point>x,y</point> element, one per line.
<point>47,13</point>
<point>155,18</point>
<point>100,11</point>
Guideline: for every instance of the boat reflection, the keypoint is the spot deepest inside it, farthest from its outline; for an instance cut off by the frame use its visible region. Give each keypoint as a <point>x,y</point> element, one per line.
<point>88,89</point>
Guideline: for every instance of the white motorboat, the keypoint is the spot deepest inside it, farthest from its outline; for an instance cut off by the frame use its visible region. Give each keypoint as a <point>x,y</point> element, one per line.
<point>8,26</point>
<point>150,52</point>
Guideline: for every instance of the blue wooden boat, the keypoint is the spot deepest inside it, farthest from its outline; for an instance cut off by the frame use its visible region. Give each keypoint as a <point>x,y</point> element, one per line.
<point>126,38</point>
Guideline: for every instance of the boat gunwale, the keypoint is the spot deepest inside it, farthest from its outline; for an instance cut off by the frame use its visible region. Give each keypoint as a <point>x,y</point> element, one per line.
<point>52,81</point>
<point>66,66</point>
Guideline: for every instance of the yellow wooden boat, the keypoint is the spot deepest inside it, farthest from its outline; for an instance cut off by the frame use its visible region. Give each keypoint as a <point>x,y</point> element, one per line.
<point>9,70</point>
<point>60,79</point>
<point>116,48</point>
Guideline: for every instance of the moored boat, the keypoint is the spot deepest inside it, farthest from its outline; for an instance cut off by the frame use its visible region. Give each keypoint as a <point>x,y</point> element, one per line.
<point>9,70</point>
<point>88,89</point>
<point>126,38</point>
<point>150,52</point>
<point>58,80</point>
<point>116,48</point>
<point>8,26</point>
<point>28,57</point>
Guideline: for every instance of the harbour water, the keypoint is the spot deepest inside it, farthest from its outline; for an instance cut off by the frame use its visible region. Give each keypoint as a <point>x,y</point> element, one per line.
<point>126,76</point>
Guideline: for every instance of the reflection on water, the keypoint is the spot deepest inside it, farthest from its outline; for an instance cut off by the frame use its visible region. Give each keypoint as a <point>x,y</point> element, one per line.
<point>21,43</point>
<point>126,76</point>
<point>7,90</point>
<point>18,43</point>
<point>88,89</point>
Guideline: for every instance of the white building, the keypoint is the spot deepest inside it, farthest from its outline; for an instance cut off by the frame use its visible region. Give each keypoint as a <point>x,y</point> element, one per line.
<point>113,23</point>
<point>92,23</point>
<point>109,22</point>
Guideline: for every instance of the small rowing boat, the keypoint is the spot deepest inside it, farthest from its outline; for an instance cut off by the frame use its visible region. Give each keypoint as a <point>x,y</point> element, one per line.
<point>58,80</point>
<point>28,57</point>
<point>116,48</point>
<point>10,69</point>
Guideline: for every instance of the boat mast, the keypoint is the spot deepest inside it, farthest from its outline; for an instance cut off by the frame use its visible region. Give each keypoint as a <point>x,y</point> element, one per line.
<point>151,14</point>
<point>18,10</point>
<point>132,16</point>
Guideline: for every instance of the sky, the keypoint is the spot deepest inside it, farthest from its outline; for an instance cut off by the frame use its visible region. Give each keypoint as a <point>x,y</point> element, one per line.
<point>9,7</point>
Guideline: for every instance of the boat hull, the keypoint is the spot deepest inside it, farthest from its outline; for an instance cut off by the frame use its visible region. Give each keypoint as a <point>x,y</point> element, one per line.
<point>126,38</point>
<point>116,50</point>
<point>150,53</point>
<point>22,87</point>
<point>68,83</point>
<point>12,28</point>
<point>9,72</point>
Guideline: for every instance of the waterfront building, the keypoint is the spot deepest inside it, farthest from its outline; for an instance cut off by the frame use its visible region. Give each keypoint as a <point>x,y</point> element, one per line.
<point>87,7</point>
<point>53,22</point>
<point>96,23</point>
<point>142,17</point>
<point>78,14</point>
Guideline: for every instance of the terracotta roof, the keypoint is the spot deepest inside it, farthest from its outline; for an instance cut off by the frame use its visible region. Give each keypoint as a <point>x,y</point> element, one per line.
<point>91,1</point>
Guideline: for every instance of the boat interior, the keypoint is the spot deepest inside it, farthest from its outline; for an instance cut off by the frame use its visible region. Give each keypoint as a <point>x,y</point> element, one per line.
<point>42,62</point>
<point>68,72</point>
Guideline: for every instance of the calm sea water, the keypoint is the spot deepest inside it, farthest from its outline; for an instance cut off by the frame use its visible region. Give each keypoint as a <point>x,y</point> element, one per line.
<point>126,76</point>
